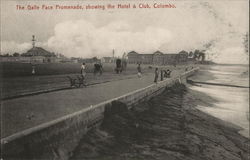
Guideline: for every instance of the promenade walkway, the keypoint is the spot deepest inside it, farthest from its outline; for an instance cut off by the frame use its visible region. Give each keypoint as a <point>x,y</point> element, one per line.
<point>26,112</point>
<point>20,86</point>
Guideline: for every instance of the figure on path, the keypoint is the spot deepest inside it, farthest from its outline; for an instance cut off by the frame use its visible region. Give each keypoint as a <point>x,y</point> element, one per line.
<point>139,70</point>
<point>167,73</point>
<point>156,75</point>
<point>162,75</point>
<point>118,68</point>
<point>98,68</point>
<point>83,70</point>
<point>33,70</point>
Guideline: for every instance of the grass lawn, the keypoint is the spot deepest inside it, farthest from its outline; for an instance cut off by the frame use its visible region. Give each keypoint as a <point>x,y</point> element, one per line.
<point>15,69</point>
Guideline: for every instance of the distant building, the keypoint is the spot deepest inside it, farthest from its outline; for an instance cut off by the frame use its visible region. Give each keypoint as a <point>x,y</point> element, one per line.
<point>134,57</point>
<point>89,60</point>
<point>158,58</point>
<point>146,58</point>
<point>170,59</point>
<point>38,51</point>
<point>107,59</point>
<point>40,55</point>
<point>35,55</point>
<point>182,57</point>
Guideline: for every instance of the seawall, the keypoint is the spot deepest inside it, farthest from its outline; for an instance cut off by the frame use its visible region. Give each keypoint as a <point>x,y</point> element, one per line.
<point>58,138</point>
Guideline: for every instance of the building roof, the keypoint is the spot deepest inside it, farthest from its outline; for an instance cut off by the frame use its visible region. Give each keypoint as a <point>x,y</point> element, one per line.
<point>158,52</point>
<point>183,52</point>
<point>38,51</point>
<point>132,52</point>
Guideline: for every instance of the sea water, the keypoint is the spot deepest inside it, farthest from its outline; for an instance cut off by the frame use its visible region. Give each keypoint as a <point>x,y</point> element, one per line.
<point>230,104</point>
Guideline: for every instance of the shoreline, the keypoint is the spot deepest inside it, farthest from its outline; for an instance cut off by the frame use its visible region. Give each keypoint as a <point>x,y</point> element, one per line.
<point>226,102</point>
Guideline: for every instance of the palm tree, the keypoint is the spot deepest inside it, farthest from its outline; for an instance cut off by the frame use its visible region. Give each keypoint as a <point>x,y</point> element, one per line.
<point>199,56</point>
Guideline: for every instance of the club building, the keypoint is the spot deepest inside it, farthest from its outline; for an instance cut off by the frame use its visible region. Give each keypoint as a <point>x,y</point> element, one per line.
<point>158,58</point>
<point>35,55</point>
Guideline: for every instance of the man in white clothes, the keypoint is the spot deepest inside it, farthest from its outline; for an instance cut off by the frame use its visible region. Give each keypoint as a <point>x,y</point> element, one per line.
<point>83,70</point>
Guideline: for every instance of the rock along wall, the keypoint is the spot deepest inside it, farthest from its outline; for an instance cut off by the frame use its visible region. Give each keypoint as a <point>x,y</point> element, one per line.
<point>58,138</point>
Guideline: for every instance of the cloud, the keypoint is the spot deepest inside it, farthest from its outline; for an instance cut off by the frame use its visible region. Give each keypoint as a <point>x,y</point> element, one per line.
<point>82,39</point>
<point>229,49</point>
<point>11,47</point>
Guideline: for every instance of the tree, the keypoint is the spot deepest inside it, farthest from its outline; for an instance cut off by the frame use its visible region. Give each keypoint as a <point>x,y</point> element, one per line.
<point>6,55</point>
<point>16,54</point>
<point>191,54</point>
<point>196,53</point>
<point>95,59</point>
<point>199,55</point>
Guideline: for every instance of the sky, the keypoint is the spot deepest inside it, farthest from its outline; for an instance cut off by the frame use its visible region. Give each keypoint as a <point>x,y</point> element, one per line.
<point>219,27</point>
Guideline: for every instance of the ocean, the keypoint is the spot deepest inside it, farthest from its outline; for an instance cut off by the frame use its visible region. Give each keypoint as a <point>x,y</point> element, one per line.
<point>231,104</point>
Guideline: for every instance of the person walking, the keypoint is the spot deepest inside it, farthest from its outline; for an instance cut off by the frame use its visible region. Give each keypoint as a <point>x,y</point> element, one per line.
<point>33,69</point>
<point>101,68</point>
<point>156,75</point>
<point>162,75</point>
<point>168,72</point>
<point>139,70</point>
<point>83,70</point>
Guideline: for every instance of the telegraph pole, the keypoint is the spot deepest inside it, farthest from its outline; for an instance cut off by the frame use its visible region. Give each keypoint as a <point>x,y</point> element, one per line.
<point>33,45</point>
<point>113,55</point>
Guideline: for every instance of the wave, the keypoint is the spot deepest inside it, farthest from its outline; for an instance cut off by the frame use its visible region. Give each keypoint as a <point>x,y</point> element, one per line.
<point>223,72</point>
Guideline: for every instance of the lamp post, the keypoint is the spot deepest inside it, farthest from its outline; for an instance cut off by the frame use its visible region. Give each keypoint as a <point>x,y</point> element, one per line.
<point>33,46</point>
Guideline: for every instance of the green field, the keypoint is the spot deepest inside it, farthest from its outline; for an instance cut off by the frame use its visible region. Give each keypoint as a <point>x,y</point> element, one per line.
<point>17,69</point>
